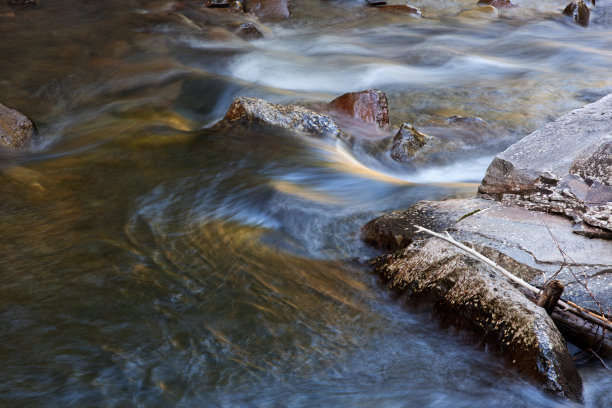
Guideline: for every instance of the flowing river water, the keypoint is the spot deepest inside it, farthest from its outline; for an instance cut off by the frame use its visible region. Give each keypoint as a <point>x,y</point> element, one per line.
<point>149,260</point>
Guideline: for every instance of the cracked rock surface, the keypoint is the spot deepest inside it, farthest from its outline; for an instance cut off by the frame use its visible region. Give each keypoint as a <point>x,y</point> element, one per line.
<point>564,168</point>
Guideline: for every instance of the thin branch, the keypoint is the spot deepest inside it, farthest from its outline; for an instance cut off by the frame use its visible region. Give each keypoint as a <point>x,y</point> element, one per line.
<point>580,311</point>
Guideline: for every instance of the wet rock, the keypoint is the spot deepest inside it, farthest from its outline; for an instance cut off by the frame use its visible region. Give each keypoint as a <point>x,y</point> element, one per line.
<point>217,4</point>
<point>400,8</point>
<point>524,242</point>
<point>268,10</point>
<point>16,130</point>
<point>497,3</point>
<point>468,295</point>
<point>466,121</point>
<point>369,106</point>
<point>583,14</point>
<point>407,143</point>
<point>22,3</point>
<point>396,230</point>
<point>248,30</point>
<point>480,12</point>
<point>570,9</point>
<point>374,3</point>
<point>255,110</point>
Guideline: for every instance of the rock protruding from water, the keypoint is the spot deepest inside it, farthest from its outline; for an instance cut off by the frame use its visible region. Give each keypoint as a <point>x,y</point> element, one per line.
<point>407,143</point>
<point>248,30</point>
<point>255,110</point>
<point>580,11</point>
<point>268,10</point>
<point>369,106</point>
<point>16,130</point>
<point>466,294</point>
<point>569,176</point>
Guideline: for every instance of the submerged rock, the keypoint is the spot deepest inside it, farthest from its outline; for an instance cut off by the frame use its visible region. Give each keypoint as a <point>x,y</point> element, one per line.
<point>22,3</point>
<point>268,10</point>
<point>400,8</point>
<point>16,130</point>
<point>407,143</point>
<point>293,117</point>
<point>497,3</point>
<point>248,30</point>
<point>369,106</point>
<point>480,12</point>
<point>468,295</point>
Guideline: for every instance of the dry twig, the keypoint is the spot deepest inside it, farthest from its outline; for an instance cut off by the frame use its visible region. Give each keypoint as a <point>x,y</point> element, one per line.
<point>599,320</point>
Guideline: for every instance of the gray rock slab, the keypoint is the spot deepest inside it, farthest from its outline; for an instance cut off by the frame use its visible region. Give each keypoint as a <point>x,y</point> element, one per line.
<point>552,149</point>
<point>532,245</point>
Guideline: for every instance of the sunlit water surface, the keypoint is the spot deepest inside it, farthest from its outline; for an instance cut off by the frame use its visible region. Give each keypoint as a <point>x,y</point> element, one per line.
<point>150,260</point>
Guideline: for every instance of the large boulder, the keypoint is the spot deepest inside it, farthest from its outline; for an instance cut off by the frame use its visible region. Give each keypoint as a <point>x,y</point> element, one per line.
<point>16,130</point>
<point>268,10</point>
<point>467,294</point>
<point>528,243</point>
<point>255,110</point>
<point>369,106</point>
<point>563,167</point>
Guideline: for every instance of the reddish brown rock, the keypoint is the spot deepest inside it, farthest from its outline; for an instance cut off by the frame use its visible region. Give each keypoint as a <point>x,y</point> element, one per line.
<point>16,130</point>
<point>268,10</point>
<point>369,106</point>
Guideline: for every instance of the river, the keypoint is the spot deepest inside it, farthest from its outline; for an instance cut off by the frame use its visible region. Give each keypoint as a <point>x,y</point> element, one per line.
<point>150,260</point>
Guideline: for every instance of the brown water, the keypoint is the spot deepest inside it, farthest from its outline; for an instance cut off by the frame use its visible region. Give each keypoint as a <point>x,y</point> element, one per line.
<point>147,260</point>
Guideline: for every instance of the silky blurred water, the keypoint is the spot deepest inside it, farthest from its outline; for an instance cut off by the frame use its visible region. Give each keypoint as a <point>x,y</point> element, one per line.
<point>149,259</point>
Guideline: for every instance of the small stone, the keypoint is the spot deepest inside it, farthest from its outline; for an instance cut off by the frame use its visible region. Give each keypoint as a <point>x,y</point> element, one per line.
<point>466,121</point>
<point>374,3</point>
<point>407,143</point>
<point>248,30</point>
